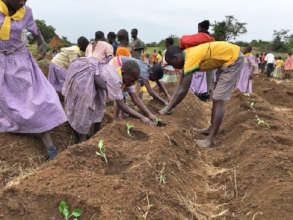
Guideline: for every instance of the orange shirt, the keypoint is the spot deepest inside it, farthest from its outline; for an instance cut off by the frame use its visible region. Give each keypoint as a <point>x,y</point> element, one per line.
<point>154,57</point>
<point>123,51</point>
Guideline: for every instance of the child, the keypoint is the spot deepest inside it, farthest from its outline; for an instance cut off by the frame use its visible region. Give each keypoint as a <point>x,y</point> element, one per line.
<point>159,58</point>
<point>137,46</point>
<point>154,57</point>
<point>155,73</point>
<point>123,39</point>
<point>100,49</point>
<point>245,81</point>
<point>88,84</point>
<point>288,66</point>
<point>279,68</point>
<point>225,57</point>
<point>170,74</point>
<point>60,63</point>
<point>112,40</point>
<point>29,104</point>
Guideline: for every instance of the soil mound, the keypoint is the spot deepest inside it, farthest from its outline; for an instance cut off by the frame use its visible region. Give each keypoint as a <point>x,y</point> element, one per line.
<point>160,173</point>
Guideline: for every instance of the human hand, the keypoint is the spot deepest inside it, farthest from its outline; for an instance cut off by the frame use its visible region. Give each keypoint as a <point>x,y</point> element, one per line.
<point>147,121</point>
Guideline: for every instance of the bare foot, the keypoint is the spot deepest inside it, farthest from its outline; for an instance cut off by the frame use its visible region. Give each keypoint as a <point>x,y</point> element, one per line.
<point>205,131</point>
<point>205,143</point>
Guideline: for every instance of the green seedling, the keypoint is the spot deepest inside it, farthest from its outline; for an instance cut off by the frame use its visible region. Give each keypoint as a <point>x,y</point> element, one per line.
<point>163,179</point>
<point>102,152</point>
<point>252,104</point>
<point>64,209</point>
<point>247,94</point>
<point>129,127</point>
<point>159,122</point>
<point>262,122</point>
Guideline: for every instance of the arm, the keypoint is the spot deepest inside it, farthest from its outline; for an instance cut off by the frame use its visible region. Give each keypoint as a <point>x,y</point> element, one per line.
<point>181,92</point>
<point>137,101</point>
<point>124,107</point>
<point>42,48</point>
<point>164,89</point>
<point>152,92</point>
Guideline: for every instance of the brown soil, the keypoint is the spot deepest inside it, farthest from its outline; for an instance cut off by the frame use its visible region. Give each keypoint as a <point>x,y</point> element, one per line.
<point>248,175</point>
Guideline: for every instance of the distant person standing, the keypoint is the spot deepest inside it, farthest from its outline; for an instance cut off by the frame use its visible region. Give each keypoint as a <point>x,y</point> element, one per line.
<point>112,40</point>
<point>137,45</point>
<point>289,66</point>
<point>279,68</point>
<point>123,39</point>
<point>270,62</point>
<point>262,63</point>
<point>160,58</point>
<point>154,57</point>
<point>170,74</point>
<point>100,49</point>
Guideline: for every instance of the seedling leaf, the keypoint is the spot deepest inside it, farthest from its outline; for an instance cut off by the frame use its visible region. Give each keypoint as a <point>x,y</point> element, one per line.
<point>159,121</point>
<point>129,127</point>
<point>77,212</point>
<point>163,179</point>
<point>252,104</point>
<point>102,152</point>
<point>63,208</point>
<point>247,94</point>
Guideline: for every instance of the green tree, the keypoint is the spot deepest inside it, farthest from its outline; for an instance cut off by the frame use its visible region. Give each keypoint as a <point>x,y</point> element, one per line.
<point>229,29</point>
<point>47,31</point>
<point>280,42</point>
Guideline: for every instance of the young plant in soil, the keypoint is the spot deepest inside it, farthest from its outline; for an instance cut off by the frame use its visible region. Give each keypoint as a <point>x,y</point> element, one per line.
<point>252,104</point>
<point>129,127</point>
<point>64,209</point>
<point>247,94</point>
<point>102,152</point>
<point>159,122</point>
<point>262,122</point>
<point>163,179</point>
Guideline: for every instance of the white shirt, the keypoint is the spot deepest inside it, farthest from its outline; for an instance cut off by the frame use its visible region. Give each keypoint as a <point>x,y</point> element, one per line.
<point>270,58</point>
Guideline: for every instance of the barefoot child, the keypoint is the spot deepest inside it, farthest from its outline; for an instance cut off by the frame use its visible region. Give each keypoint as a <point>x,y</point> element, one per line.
<point>29,104</point>
<point>60,63</point>
<point>154,73</point>
<point>88,84</point>
<point>225,57</point>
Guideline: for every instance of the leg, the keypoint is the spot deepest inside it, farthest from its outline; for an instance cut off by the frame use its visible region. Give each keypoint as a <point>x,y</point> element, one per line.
<point>206,131</point>
<point>97,127</point>
<point>217,118</point>
<point>48,142</point>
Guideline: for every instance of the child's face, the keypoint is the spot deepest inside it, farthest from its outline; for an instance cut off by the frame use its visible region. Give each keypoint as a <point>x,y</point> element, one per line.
<point>177,62</point>
<point>16,4</point>
<point>129,79</point>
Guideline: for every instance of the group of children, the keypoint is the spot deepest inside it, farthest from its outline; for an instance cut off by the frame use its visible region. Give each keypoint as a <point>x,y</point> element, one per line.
<point>30,104</point>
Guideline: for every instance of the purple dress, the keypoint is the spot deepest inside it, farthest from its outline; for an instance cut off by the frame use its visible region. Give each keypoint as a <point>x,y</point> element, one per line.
<point>56,76</point>
<point>89,82</point>
<point>199,83</point>
<point>28,102</point>
<point>245,83</point>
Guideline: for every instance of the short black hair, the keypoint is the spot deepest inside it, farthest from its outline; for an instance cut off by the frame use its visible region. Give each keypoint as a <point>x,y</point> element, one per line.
<point>248,49</point>
<point>290,54</point>
<point>170,41</point>
<point>172,51</point>
<point>82,43</point>
<point>158,71</point>
<point>205,25</point>
<point>122,35</point>
<point>99,35</point>
<point>111,35</point>
<point>130,68</point>
<point>135,30</point>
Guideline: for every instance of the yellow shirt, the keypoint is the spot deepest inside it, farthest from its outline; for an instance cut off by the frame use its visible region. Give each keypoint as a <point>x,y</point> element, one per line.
<point>279,63</point>
<point>210,56</point>
<point>66,56</point>
<point>159,58</point>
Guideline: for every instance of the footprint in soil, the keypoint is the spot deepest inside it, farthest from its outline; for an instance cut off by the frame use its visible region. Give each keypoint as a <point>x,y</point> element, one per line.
<point>135,134</point>
<point>117,166</point>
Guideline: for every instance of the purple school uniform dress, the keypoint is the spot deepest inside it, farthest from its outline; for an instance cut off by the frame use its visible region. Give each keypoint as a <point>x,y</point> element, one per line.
<point>56,76</point>
<point>28,102</point>
<point>245,83</point>
<point>89,82</point>
<point>199,83</point>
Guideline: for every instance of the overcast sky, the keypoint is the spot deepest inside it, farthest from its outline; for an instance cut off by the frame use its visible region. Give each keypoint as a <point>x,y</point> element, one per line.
<point>157,19</point>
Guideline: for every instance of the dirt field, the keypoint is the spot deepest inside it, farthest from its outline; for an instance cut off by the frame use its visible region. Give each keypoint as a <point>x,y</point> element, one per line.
<point>159,172</point>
